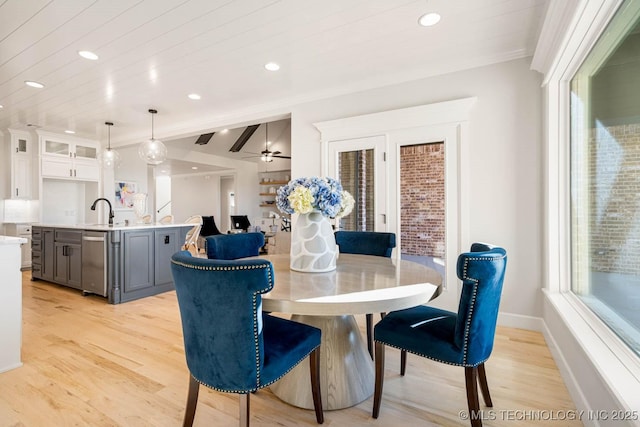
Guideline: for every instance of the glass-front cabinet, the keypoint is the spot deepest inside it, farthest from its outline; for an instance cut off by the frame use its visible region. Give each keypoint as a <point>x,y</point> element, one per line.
<point>69,149</point>
<point>69,157</point>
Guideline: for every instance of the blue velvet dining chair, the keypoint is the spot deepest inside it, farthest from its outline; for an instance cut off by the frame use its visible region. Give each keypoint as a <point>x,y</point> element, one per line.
<point>463,339</point>
<point>366,243</point>
<point>230,345</point>
<point>234,246</point>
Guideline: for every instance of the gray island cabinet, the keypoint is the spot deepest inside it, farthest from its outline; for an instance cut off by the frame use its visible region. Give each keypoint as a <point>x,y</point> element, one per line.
<point>122,263</point>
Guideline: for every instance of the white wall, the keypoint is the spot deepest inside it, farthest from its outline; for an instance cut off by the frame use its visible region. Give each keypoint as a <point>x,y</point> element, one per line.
<point>69,202</point>
<point>131,169</point>
<point>195,195</point>
<point>505,189</point>
<point>163,196</point>
<point>227,185</point>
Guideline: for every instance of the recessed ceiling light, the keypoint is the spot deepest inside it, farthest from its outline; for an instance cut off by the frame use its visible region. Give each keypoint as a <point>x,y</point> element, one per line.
<point>194,96</point>
<point>224,131</point>
<point>194,168</point>
<point>34,84</point>
<point>88,55</point>
<point>429,19</point>
<point>70,131</point>
<point>1,106</point>
<point>271,66</point>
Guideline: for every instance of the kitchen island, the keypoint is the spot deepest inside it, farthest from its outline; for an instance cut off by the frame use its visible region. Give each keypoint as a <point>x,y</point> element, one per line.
<point>119,262</point>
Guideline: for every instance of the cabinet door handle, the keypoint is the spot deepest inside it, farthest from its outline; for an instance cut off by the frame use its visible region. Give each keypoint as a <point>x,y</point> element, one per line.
<point>74,172</point>
<point>17,192</point>
<point>70,172</point>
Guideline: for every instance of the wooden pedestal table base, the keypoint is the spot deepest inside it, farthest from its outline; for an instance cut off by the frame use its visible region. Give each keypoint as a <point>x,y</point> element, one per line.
<point>360,284</point>
<point>346,370</point>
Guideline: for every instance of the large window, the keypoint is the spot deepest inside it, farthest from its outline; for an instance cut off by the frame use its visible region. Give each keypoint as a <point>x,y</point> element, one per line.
<point>605,177</point>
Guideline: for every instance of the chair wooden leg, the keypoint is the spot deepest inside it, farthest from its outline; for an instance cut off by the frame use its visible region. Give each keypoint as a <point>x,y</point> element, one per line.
<point>377,393</point>
<point>244,410</point>
<point>370,334</point>
<point>484,387</point>
<point>314,368</point>
<point>192,401</point>
<point>403,362</point>
<point>471,380</point>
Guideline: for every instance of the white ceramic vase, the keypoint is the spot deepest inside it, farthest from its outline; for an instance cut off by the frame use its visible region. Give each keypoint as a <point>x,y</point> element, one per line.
<point>313,245</point>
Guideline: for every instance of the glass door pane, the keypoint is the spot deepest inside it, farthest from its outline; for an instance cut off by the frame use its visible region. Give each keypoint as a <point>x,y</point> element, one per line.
<point>422,204</point>
<point>55,147</point>
<point>85,152</point>
<point>359,165</point>
<point>357,175</point>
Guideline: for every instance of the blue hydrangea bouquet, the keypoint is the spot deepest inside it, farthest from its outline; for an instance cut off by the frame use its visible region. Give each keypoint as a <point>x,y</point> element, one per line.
<point>305,195</point>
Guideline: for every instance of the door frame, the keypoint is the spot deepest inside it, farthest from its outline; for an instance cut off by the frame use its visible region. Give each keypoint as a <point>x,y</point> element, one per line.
<point>444,121</point>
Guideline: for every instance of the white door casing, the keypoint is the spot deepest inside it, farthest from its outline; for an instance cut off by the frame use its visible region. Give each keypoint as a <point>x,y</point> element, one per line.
<point>444,121</point>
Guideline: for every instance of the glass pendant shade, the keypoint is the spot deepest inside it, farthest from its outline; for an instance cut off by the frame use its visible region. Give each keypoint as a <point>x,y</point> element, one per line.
<point>152,151</point>
<point>109,158</point>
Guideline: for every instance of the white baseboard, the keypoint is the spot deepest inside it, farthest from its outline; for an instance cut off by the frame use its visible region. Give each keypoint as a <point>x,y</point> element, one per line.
<point>520,321</point>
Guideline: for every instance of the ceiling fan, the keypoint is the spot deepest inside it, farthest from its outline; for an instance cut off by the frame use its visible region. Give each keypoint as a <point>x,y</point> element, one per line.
<point>267,155</point>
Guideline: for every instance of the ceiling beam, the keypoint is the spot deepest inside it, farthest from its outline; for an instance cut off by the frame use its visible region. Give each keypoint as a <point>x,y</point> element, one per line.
<point>204,138</point>
<point>242,139</point>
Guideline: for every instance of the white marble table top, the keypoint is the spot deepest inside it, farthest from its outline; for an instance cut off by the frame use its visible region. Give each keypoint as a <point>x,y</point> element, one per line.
<point>360,284</point>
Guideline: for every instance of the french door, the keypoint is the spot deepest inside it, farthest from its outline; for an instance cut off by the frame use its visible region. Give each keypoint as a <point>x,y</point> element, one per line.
<point>359,165</point>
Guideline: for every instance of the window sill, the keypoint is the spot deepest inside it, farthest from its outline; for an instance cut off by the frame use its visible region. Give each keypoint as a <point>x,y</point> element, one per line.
<point>617,366</point>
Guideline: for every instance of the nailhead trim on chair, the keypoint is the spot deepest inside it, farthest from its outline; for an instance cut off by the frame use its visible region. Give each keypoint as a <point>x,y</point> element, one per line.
<point>467,325</point>
<point>255,322</point>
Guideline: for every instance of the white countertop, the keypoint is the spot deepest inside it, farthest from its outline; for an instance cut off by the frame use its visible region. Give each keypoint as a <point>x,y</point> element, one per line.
<point>9,240</point>
<point>115,227</point>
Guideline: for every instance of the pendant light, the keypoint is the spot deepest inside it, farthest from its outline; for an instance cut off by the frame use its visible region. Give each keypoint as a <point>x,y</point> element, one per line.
<point>109,158</point>
<point>152,151</point>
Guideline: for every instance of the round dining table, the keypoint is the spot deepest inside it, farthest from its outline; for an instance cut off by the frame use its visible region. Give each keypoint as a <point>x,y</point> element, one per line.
<point>360,284</point>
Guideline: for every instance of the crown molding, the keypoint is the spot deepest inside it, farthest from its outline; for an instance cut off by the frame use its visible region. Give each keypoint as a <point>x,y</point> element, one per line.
<point>557,20</point>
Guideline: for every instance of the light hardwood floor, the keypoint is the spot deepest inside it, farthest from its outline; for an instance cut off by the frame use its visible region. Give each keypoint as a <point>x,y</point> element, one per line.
<point>88,363</point>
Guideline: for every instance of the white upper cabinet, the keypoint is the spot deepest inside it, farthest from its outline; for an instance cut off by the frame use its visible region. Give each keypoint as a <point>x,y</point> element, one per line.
<point>21,158</point>
<point>69,157</point>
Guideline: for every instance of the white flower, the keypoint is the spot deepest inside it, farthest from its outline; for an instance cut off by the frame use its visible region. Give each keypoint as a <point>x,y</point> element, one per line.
<point>347,204</point>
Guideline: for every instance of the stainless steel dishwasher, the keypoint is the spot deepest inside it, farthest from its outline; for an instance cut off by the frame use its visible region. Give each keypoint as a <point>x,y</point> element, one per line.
<point>94,263</point>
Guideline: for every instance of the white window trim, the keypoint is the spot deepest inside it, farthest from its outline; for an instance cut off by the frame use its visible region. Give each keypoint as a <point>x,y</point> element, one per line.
<point>617,366</point>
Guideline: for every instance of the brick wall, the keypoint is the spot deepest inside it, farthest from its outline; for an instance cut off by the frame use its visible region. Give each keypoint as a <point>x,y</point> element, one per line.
<point>422,201</point>
<point>614,199</point>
